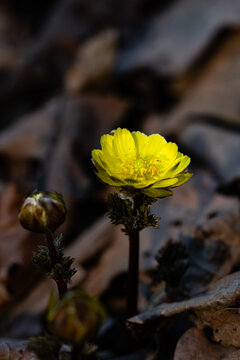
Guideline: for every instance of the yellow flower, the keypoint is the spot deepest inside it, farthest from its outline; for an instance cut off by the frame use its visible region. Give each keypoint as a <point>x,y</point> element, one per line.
<point>136,163</point>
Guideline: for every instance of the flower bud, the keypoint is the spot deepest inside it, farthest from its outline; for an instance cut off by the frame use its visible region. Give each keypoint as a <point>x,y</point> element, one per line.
<point>42,211</point>
<point>76,318</point>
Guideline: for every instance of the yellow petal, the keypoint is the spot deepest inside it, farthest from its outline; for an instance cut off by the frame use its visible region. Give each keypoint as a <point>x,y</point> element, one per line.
<point>182,178</point>
<point>164,183</point>
<point>179,166</point>
<point>101,166</point>
<point>123,143</point>
<point>106,157</point>
<point>137,184</point>
<point>96,157</point>
<point>170,150</point>
<point>184,162</point>
<point>157,193</point>
<point>155,145</point>
<point>111,164</point>
<point>167,157</point>
<point>102,169</point>
<point>107,144</point>
<point>106,179</point>
<point>141,143</point>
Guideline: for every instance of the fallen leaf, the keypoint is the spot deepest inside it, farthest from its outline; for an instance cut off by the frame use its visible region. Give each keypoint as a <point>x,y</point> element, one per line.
<point>195,345</point>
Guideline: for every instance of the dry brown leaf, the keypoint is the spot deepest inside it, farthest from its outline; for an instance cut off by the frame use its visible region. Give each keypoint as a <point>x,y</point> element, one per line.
<point>174,40</point>
<point>224,323</point>
<point>223,294</point>
<point>94,62</point>
<point>195,345</point>
<point>209,97</point>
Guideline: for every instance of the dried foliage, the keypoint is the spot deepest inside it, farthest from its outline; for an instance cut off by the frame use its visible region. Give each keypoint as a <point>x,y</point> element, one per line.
<point>71,72</point>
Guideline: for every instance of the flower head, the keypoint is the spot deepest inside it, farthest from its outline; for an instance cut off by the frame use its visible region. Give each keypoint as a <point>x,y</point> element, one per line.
<point>136,163</point>
<point>42,211</point>
<point>75,318</point>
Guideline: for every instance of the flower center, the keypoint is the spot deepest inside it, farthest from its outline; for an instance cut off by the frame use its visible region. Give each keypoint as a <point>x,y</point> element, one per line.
<point>139,169</point>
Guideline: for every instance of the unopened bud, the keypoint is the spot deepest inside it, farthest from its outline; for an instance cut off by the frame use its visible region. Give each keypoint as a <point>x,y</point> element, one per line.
<point>42,211</point>
<point>76,318</point>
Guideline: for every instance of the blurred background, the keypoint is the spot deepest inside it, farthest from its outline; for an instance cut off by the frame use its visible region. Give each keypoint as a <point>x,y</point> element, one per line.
<point>73,70</point>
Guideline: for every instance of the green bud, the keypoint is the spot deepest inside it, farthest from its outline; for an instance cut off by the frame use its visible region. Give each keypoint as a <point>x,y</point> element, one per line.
<point>42,211</point>
<point>76,318</point>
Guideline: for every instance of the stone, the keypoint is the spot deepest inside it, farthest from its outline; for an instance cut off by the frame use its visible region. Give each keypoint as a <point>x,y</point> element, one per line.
<point>171,43</point>
<point>208,99</point>
<point>93,63</point>
<point>218,148</point>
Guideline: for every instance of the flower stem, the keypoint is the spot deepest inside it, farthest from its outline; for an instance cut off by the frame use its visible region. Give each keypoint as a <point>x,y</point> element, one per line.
<point>133,265</point>
<point>61,285</point>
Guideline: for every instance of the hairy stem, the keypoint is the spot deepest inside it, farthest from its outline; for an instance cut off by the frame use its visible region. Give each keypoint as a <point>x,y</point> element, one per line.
<point>133,265</point>
<point>61,285</point>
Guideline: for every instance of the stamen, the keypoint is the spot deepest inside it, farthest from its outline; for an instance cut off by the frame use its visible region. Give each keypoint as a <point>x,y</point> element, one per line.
<point>140,169</point>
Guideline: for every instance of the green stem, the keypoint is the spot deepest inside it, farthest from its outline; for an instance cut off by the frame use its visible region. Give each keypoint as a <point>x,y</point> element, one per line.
<point>61,285</point>
<point>133,265</point>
